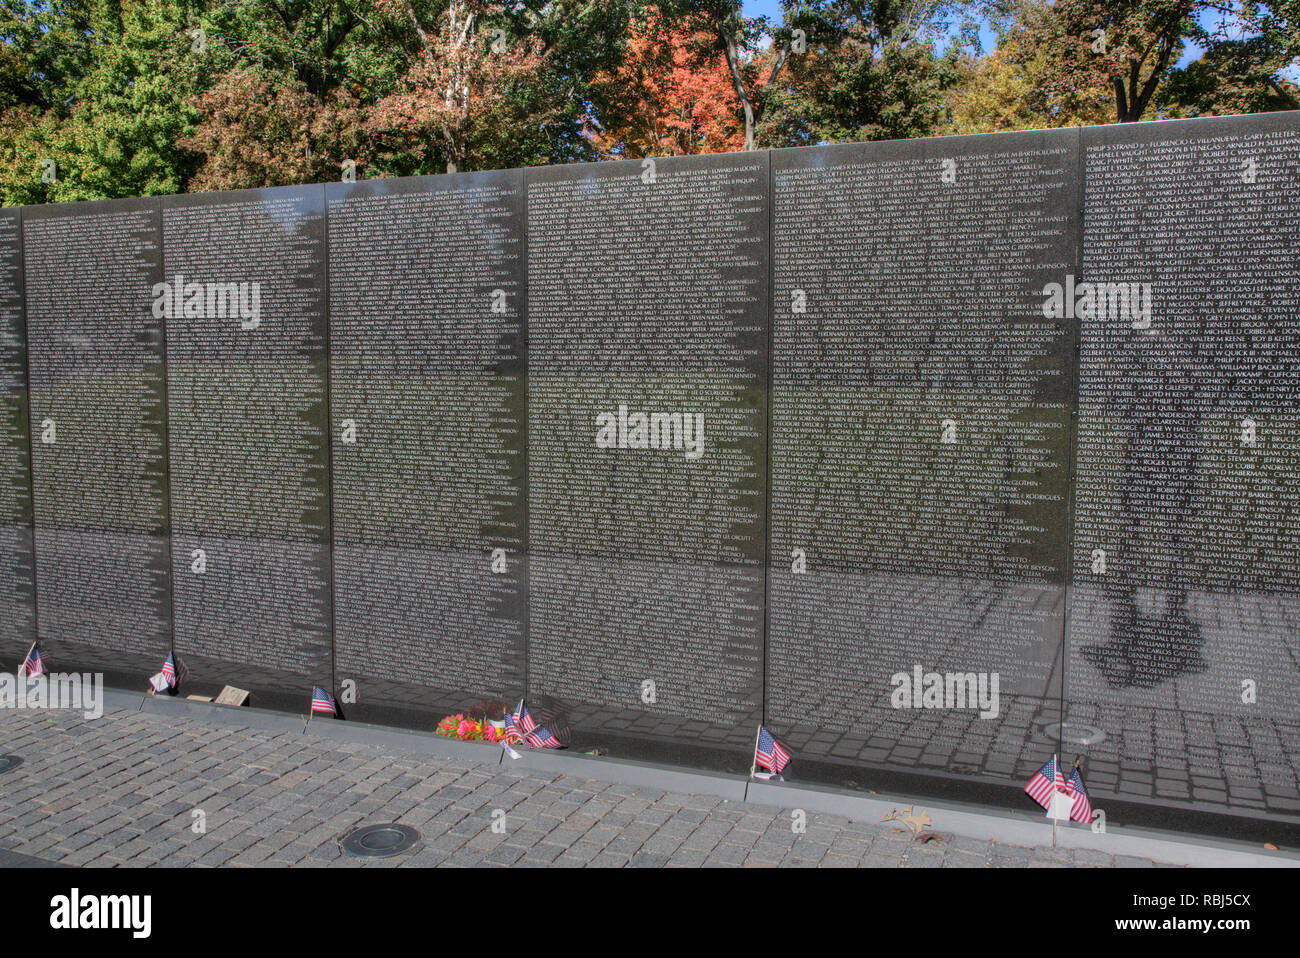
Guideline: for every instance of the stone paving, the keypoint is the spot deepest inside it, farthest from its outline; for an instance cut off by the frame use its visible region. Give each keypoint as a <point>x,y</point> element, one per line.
<point>129,788</point>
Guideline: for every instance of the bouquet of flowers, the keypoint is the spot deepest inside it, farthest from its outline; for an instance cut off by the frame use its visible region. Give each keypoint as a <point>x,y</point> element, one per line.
<point>461,726</point>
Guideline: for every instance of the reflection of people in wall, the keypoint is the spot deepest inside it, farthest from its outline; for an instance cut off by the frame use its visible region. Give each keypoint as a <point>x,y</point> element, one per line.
<point>1175,386</point>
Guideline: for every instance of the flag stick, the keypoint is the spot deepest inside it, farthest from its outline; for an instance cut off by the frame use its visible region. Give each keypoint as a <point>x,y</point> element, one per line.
<point>753,760</point>
<point>308,722</point>
<point>1050,808</point>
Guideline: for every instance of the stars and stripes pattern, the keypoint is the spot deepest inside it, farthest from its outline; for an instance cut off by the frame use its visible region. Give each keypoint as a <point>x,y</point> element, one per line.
<point>512,724</point>
<point>521,726</point>
<point>1080,807</point>
<point>174,671</point>
<point>769,753</point>
<point>524,721</point>
<point>322,701</point>
<point>32,664</point>
<point>541,737</point>
<point>1045,781</point>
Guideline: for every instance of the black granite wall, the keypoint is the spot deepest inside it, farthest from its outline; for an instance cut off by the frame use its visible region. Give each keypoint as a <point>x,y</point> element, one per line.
<point>936,456</point>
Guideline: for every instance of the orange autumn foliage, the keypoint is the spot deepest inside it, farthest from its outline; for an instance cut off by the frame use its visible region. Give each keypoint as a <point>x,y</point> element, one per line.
<point>667,100</point>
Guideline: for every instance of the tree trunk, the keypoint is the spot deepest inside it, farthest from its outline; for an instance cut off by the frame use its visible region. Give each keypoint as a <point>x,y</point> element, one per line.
<point>738,83</point>
<point>1290,100</point>
<point>753,107</point>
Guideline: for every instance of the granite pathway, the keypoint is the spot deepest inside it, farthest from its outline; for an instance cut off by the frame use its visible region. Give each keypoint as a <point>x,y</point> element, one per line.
<point>139,789</point>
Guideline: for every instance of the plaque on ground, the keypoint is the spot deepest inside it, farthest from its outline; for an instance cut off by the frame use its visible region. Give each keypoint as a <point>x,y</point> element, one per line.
<point>95,358</point>
<point>231,696</point>
<point>920,444</point>
<point>647,304</point>
<point>1184,630</point>
<point>17,571</point>
<point>427,378</point>
<point>244,304</point>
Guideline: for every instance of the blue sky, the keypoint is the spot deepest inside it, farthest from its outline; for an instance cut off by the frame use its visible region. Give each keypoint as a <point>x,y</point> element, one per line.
<point>772,8</point>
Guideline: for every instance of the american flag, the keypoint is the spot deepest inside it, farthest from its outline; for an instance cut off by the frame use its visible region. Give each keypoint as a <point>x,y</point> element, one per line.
<point>522,727</point>
<point>512,725</point>
<point>1080,808</point>
<point>322,701</point>
<point>541,737</point>
<point>174,670</point>
<point>32,664</point>
<point>525,722</point>
<point>1045,781</point>
<point>769,753</point>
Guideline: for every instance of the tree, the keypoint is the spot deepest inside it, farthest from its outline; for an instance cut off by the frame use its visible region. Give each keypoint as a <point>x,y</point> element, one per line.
<point>1134,47</point>
<point>667,98</point>
<point>276,104</point>
<point>1130,45</point>
<point>870,72</point>
<point>1245,67</point>
<point>455,78</point>
<point>426,86</point>
<point>1012,87</point>
<point>132,97</point>
<point>45,49</point>
<point>739,39</point>
<point>261,129</point>
<point>99,89</point>
<point>1001,92</point>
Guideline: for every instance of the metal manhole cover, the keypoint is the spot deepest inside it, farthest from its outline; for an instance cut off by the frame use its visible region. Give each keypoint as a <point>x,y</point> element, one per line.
<point>1075,734</point>
<point>380,841</point>
<point>9,763</point>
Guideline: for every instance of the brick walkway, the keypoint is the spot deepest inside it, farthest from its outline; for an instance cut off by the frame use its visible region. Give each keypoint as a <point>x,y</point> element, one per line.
<point>123,790</point>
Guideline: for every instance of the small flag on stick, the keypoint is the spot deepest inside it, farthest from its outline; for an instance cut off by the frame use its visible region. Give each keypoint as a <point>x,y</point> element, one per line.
<point>769,753</point>
<point>32,665</point>
<point>512,724</point>
<point>174,671</point>
<point>524,720</point>
<point>322,701</point>
<point>521,725</point>
<point>542,737</point>
<point>1047,780</point>
<point>173,675</point>
<point>1080,808</point>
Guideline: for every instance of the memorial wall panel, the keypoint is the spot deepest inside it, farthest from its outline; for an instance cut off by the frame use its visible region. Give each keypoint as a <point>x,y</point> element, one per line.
<point>647,305</point>
<point>911,450</point>
<point>920,449</point>
<point>17,562</point>
<point>243,296</point>
<point>427,382</point>
<point>95,360</point>
<point>1185,601</point>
